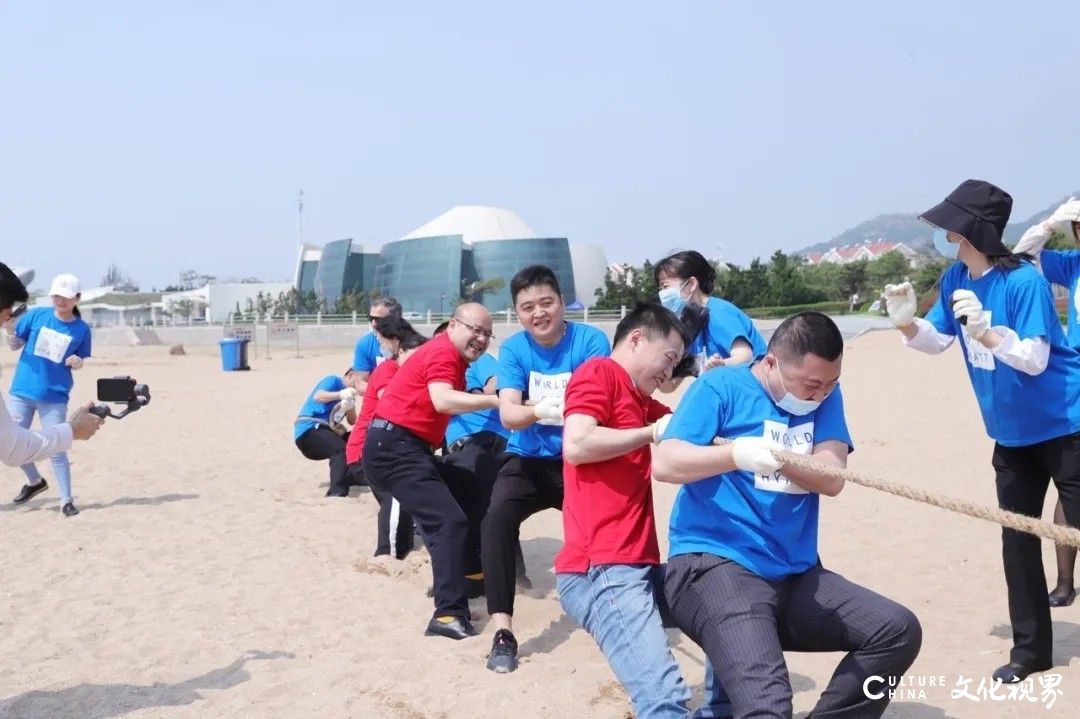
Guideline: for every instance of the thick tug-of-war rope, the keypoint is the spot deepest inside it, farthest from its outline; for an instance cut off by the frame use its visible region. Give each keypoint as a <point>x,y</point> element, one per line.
<point>1031,525</point>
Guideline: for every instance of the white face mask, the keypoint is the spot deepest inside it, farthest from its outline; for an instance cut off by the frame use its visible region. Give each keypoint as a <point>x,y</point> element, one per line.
<point>792,404</point>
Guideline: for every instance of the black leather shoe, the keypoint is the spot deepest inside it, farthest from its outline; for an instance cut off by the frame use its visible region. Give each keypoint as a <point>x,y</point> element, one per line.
<point>334,492</point>
<point>1062,600</point>
<point>29,491</point>
<point>69,509</point>
<point>451,627</point>
<point>1015,672</point>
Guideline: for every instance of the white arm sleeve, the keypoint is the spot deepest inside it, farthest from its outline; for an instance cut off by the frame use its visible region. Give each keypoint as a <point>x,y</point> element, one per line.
<point>14,342</point>
<point>19,446</point>
<point>1033,241</point>
<point>1029,356</point>
<point>928,339</point>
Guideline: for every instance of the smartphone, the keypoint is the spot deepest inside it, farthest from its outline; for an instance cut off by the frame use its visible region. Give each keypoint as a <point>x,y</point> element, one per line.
<point>18,310</point>
<point>116,389</point>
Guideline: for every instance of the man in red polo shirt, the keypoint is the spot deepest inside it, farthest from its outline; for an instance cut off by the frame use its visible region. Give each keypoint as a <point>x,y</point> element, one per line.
<point>609,572</point>
<point>410,420</point>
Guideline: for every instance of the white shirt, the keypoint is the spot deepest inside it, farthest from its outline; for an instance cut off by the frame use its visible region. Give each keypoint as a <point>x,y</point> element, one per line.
<point>19,446</point>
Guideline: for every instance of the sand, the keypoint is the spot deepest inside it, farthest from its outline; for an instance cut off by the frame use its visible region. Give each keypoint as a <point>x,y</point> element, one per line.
<point>207,576</point>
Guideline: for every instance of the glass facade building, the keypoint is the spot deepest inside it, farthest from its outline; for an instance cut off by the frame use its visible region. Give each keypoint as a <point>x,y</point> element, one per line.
<point>422,273</point>
<point>434,267</point>
<point>503,258</point>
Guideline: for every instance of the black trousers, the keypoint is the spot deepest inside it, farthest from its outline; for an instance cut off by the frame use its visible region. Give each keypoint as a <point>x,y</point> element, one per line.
<point>524,486</point>
<point>394,527</point>
<point>398,462</point>
<point>1023,475</point>
<point>321,443</point>
<point>470,468</point>
<point>745,623</point>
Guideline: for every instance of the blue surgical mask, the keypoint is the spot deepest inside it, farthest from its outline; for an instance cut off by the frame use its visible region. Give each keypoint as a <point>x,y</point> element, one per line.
<point>672,298</point>
<point>949,250</point>
<point>792,404</point>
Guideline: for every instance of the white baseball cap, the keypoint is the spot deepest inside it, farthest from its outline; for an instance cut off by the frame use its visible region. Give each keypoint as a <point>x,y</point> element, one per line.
<point>66,286</point>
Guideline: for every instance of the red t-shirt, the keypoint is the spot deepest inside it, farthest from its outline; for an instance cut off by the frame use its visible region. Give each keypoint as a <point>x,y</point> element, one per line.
<point>608,506</point>
<point>407,402</point>
<point>380,377</point>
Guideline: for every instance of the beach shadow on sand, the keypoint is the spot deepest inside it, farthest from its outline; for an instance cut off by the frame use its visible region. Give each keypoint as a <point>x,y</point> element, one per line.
<point>1066,640</point>
<point>103,701</point>
<point>35,505</point>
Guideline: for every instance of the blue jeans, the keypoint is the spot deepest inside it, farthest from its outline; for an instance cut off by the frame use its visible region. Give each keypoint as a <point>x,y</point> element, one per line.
<point>22,411</point>
<point>617,605</point>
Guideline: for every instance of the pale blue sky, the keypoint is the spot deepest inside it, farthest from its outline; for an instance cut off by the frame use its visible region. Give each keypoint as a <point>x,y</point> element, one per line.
<point>165,139</point>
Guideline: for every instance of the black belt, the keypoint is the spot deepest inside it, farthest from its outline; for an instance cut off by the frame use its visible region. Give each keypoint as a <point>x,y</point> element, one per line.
<point>378,423</point>
<point>486,440</point>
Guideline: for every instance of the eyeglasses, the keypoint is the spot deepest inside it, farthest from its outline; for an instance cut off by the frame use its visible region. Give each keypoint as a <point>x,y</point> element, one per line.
<point>477,331</point>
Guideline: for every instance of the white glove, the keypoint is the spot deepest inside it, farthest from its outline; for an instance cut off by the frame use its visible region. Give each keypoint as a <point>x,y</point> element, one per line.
<point>754,455</point>
<point>659,427</point>
<point>347,393</point>
<point>549,408</point>
<point>900,303</point>
<point>1068,213</point>
<point>74,362</point>
<point>969,311</point>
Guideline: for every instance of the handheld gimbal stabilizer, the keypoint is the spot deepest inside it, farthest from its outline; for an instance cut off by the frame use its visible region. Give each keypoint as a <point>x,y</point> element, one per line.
<point>120,390</point>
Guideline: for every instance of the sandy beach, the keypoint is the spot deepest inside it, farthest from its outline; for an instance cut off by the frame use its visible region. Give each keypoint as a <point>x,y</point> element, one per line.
<point>207,576</point>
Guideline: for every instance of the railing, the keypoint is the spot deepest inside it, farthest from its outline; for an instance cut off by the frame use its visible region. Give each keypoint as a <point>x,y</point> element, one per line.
<point>354,319</point>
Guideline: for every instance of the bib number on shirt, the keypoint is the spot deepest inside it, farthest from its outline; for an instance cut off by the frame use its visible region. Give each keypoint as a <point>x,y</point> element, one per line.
<point>548,385</point>
<point>978,356</point>
<point>51,345</point>
<point>797,440</point>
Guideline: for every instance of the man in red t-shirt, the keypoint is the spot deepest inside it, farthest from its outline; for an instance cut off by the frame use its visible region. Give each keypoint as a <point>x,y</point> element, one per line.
<point>609,575</point>
<point>410,420</point>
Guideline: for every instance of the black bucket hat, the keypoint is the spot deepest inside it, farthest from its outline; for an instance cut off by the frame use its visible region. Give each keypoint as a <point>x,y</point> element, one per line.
<point>977,210</point>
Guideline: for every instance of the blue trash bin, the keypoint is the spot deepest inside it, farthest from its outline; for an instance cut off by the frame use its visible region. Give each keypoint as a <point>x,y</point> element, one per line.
<point>230,354</point>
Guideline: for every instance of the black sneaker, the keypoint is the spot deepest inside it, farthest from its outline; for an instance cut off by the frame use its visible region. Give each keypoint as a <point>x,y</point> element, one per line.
<point>503,656</point>
<point>69,509</point>
<point>29,491</point>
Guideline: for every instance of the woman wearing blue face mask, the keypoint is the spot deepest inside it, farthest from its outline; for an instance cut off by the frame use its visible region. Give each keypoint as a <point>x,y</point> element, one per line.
<point>723,334</point>
<point>1026,380</point>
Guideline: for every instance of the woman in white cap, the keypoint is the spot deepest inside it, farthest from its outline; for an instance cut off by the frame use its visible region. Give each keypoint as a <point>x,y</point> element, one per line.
<point>1026,380</point>
<point>1062,267</point>
<point>54,342</point>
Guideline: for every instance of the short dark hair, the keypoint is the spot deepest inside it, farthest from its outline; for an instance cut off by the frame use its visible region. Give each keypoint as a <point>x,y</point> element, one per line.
<point>533,276</point>
<point>12,289</point>
<point>807,333</point>
<point>391,304</point>
<point>441,328</point>
<point>393,328</point>
<point>654,320</point>
<point>687,264</point>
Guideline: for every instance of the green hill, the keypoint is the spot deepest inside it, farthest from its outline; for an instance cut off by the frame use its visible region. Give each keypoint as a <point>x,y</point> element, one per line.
<point>908,229</point>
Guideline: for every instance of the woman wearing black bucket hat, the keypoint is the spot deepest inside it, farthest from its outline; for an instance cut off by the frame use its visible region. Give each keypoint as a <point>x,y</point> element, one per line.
<point>1026,380</point>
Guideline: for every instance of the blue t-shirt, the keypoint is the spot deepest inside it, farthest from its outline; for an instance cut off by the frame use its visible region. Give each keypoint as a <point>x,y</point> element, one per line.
<point>768,524</point>
<point>367,355</point>
<point>726,324</point>
<point>1017,408</point>
<point>486,420</point>
<point>1063,268</point>
<point>41,374</point>
<point>545,371</point>
<point>319,410</point>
